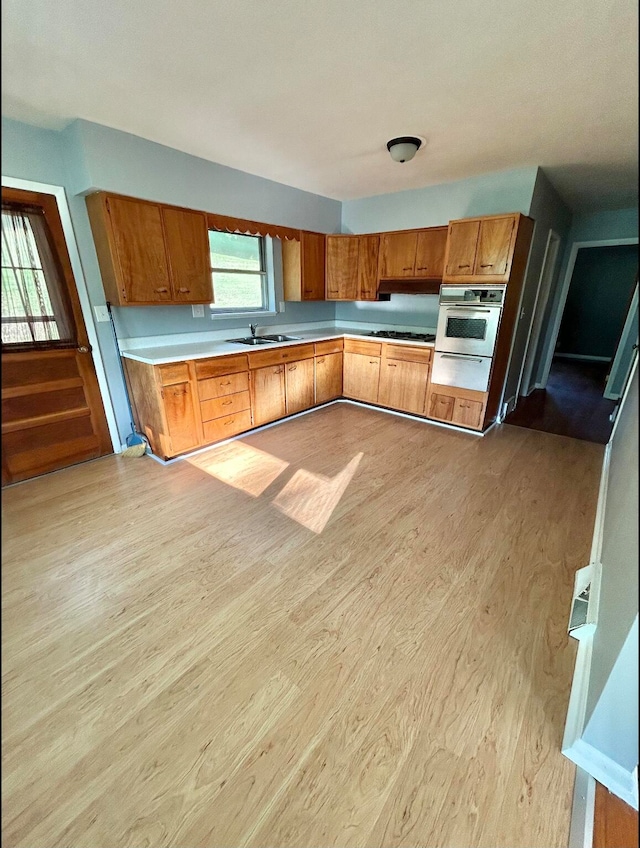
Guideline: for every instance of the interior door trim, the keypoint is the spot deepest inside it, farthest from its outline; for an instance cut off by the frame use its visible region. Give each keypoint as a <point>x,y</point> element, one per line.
<point>83,295</point>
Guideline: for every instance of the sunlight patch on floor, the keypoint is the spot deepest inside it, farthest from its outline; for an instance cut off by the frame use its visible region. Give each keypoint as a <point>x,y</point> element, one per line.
<point>241,466</point>
<point>310,499</point>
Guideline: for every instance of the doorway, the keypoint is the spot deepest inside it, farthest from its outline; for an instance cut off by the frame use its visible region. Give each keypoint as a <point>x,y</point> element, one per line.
<point>594,330</point>
<point>53,415</point>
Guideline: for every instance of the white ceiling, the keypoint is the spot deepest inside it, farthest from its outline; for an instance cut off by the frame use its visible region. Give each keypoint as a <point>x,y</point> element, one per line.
<point>309,93</point>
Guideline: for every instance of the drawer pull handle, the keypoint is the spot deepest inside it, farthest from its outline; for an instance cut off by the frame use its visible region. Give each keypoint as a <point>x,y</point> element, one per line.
<point>162,290</point>
<point>292,367</point>
<point>184,291</point>
<point>227,402</point>
<point>320,361</point>
<point>391,365</point>
<point>490,265</point>
<point>464,266</point>
<point>407,269</point>
<point>233,421</point>
<point>228,383</point>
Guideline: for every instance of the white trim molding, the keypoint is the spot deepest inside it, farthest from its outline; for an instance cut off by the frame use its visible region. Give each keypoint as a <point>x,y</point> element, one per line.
<point>541,381</point>
<point>83,294</point>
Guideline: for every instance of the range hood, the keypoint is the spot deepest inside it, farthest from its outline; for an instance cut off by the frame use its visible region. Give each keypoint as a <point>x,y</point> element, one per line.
<point>408,285</point>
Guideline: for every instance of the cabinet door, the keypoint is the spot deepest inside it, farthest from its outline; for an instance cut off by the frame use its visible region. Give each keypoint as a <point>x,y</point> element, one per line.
<point>430,251</point>
<point>403,385</point>
<point>440,406</point>
<point>328,377</point>
<point>493,246</point>
<point>467,413</point>
<point>268,394</point>
<point>181,419</point>
<point>361,377</point>
<point>462,246</point>
<point>368,247</point>
<point>342,267</point>
<point>187,241</point>
<point>312,253</point>
<point>139,242</point>
<point>299,385</point>
<point>398,254</point>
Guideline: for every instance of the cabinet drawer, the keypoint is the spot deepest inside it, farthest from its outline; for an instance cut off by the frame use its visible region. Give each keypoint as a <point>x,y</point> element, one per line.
<point>219,407</point>
<point>230,425</point>
<point>220,365</point>
<point>176,372</point>
<point>330,346</point>
<point>406,353</point>
<point>264,358</point>
<point>228,384</point>
<point>364,348</point>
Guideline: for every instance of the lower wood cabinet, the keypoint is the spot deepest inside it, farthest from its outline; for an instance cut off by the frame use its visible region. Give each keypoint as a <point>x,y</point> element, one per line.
<point>361,377</point>
<point>404,376</point>
<point>463,407</point>
<point>268,394</point>
<point>299,385</point>
<point>328,377</point>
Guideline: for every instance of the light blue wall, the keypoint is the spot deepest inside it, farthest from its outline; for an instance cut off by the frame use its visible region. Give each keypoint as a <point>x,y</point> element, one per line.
<point>505,191</point>
<point>593,226</point>
<point>549,212</point>
<point>433,206</point>
<point>31,153</point>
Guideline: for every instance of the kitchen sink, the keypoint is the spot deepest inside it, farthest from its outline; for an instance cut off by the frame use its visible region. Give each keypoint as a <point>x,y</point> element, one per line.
<point>277,338</point>
<point>257,340</point>
<point>252,340</point>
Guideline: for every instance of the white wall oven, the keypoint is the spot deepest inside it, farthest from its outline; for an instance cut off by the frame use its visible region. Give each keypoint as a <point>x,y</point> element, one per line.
<point>468,322</point>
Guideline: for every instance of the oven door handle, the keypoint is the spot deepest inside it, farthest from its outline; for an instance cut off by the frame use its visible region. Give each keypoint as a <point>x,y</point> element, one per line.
<point>462,356</point>
<point>465,308</point>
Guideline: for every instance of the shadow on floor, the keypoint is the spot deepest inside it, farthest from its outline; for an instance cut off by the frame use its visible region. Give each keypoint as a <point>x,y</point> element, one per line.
<point>571,405</point>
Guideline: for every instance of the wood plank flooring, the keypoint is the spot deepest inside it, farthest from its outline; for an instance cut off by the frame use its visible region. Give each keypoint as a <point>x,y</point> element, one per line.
<point>347,630</point>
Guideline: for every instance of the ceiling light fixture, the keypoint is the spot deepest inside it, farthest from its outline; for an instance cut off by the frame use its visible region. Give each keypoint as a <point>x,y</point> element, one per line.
<point>404,148</point>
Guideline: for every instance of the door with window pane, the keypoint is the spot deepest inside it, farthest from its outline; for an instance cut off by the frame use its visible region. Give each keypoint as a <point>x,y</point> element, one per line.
<point>52,411</point>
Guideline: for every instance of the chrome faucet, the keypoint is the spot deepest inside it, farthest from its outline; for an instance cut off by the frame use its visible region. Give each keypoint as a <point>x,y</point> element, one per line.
<point>253,329</point>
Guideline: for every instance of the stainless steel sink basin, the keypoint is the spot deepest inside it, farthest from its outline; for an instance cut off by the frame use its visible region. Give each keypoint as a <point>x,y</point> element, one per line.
<point>277,338</point>
<point>252,340</point>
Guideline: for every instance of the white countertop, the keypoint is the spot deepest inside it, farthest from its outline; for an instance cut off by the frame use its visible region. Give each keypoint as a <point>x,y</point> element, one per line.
<point>164,354</point>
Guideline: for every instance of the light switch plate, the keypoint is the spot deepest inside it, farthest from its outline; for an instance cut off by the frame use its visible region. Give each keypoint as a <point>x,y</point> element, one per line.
<point>197,310</point>
<point>101,312</point>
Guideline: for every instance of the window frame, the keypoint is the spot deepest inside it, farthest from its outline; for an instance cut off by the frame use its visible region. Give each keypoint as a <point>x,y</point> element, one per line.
<point>267,280</point>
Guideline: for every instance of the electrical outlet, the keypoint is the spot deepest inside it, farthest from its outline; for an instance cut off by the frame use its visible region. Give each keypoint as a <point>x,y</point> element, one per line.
<point>101,312</point>
<point>198,310</point>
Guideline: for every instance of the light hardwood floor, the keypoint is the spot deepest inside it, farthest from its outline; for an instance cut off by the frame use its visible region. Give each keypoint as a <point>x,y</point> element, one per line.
<point>349,629</point>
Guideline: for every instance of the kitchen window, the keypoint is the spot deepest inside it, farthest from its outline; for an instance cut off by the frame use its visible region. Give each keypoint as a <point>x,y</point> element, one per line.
<point>241,279</point>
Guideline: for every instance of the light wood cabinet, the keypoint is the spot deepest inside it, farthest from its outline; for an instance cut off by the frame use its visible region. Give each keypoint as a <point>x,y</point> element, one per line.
<point>462,407</point>
<point>352,267</point>
<point>404,376</point>
<point>342,267</point>
<point>268,394</point>
<point>165,405</point>
<point>413,253</point>
<point>299,385</point>
<point>303,267</point>
<point>481,249</point>
<point>361,375</point>
<point>150,253</point>
<point>328,377</point>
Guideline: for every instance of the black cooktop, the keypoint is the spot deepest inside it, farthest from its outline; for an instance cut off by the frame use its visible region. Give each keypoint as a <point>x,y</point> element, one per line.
<point>398,334</point>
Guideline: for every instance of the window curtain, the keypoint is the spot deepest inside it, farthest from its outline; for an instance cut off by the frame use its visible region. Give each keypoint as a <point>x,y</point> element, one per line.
<point>35,307</point>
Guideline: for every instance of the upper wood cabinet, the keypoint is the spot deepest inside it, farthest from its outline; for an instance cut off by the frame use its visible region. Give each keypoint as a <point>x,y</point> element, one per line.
<point>303,267</point>
<point>342,267</point>
<point>150,253</point>
<point>413,253</point>
<point>481,249</point>
<point>352,267</point>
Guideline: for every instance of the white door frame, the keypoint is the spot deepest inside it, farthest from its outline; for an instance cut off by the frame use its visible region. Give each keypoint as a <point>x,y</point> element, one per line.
<point>551,343</point>
<point>549,262</point>
<point>83,294</point>
<point>629,332</point>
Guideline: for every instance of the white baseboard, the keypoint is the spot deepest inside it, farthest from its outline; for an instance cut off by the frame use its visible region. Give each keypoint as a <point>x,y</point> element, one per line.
<point>606,771</point>
<point>582,356</point>
<point>582,810</point>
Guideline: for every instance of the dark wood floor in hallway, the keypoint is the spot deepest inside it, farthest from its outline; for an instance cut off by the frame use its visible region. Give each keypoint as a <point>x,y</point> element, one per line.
<point>571,405</point>
<point>347,630</point>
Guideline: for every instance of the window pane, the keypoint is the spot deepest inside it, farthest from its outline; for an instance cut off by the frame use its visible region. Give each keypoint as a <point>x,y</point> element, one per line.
<point>240,291</point>
<point>232,250</point>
